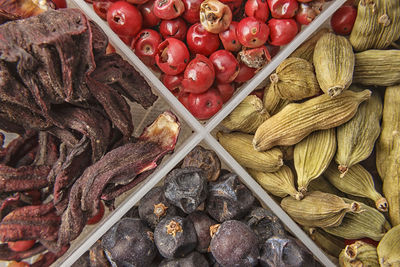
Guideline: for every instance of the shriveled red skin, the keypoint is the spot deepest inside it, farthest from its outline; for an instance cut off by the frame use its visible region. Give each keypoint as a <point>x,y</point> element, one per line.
<point>17,148</point>
<point>49,257</point>
<point>23,178</point>
<point>36,222</point>
<point>18,9</point>
<point>9,204</point>
<point>6,254</point>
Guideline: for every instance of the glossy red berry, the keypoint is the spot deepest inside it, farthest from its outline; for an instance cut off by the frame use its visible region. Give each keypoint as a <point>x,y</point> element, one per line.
<point>173,83</point>
<point>245,73</point>
<point>226,66</point>
<point>168,9</point>
<point>226,90</point>
<point>201,41</point>
<point>146,45</point>
<point>229,38</point>
<point>172,56</point>
<point>176,28</point>
<point>101,8</point>
<point>342,21</point>
<point>192,11</point>
<point>282,31</point>
<point>124,19</point>
<point>283,9</point>
<point>203,106</point>
<point>258,9</point>
<point>252,32</point>
<point>149,19</point>
<point>306,14</point>
<point>137,2</point>
<point>199,75</point>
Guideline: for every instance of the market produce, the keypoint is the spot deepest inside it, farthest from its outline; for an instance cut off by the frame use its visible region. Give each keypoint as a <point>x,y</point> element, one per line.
<point>356,138</point>
<point>333,245</point>
<point>202,223</point>
<point>342,21</point>
<point>311,159</point>
<point>388,248</point>
<point>273,103</point>
<point>306,49</point>
<point>295,121</point>
<point>205,159</point>
<point>333,75</point>
<point>377,24</point>
<point>359,253</point>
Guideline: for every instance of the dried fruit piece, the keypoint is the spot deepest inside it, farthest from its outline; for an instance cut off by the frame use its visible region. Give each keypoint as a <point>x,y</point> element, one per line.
<point>240,147</point>
<point>318,209</point>
<point>389,249</point>
<point>356,138</point>
<point>273,103</point>
<point>377,67</point>
<point>359,254</point>
<point>202,223</point>
<point>358,182</point>
<point>279,183</point>
<point>192,259</point>
<point>215,16</point>
<point>294,79</point>
<point>334,63</point>
<point>377,24</point>
<point>311,159</point>
<point>247,116</point>
<point>296,121</point>
<point>306,49</point>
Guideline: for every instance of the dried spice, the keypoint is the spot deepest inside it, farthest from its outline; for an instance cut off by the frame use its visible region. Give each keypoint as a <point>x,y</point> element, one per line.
<point>6,254</point>
<point>23,178</point>
<point>306,49</point>
<point>389,249</point>
<point>359,254</point>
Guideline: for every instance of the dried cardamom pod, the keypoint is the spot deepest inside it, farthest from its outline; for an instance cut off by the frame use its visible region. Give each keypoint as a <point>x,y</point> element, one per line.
<point>279,183</point>
<point>240,147</point>
<point>318,209</point>
<point>334,63</point>
<point>356,138</point>
<point>294,79</point>
<point>247,116</point>
<point>358,182</point>
<point>311,158</point>
<point>321,184</point>
<point>389,248</point>
<point>390,128</point>
<point>377,67</point>
<point>377,24</point>
<point>367,223</point>
<point>329,243</point>
<point>295,121</point>
<point>359,254</point>
<point>306,49</point>
<point>273,103</point>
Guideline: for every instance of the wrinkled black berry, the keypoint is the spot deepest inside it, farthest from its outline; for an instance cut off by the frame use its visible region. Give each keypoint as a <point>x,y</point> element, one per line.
<point>186,188</point>
<point>264,224</point>
<point>281,251</point>
<point>235,244</point>
<point>130,243</point>
<point>202,223</point>
<point>175,237</point>
<point>153,207</point>
<point>194,259</point>
<point>228,198</point>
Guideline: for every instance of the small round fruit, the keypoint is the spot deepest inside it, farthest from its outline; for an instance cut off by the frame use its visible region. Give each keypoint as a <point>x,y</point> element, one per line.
<point>175,28</point>
<point>124,19</point>
<point>252,32</point>
<point>149,19</point>
<point>215,16</point>
<point>283,9</point>
<point>203,106</point>
<point>192,11</point>
<point>184,99</point>
<point>257,8</point>
<point>226,66</point>
<point>245,73</point>
<point>199,75</point>
<point>229,38</point>
<point>22,245</point>
<point>146,46</point>
<point>98,216</point>
<point>282,31</point>
<point>201,41</point>
<point>172,56</point>
<point>168,9</point>
<point>173,83</point>
<point>101,8</point>
<point>342,21</point>
<point>60,3</point>
<point>137,2</point>
<point>306,14</point>
<point>226,90</point>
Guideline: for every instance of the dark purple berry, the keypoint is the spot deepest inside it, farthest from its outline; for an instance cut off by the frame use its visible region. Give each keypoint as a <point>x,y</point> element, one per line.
<point>175,237</point>
<point>194,259</point>
<point>204,159</point>
<point>235,244</point>
<point>153,207</point>
<point>186,188</point>
<point>133,236</point>
<point>202,223</point>
<point>228,198</point>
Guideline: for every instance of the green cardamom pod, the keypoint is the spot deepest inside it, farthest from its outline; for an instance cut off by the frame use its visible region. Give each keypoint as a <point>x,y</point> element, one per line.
<point>329,243</point>
<point>389,248</point>
<point>306,49</point>
<point>359,254</point>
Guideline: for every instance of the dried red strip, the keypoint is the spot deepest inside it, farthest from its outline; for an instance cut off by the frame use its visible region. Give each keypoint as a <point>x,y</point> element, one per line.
<point>23,178</point>
<point>7,254</point>
<point>48,258</point>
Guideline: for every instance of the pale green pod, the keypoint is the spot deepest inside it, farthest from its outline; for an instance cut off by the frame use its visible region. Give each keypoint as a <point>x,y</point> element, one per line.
<point>389,248</point>
<point>359,254</point>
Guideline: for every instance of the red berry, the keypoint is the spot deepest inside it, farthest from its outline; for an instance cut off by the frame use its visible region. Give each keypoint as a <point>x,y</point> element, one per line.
<point>172,56</point>
<point>60,3</point>
<point>22,245</point>
<point>252,32</point>
<point>124,19</point>
<point>146,46</point>
<point>168,9</point>
<point>137,2</point>
<point>226,90</point>
<point>342,21</point>
<point>149,19</point>
<point>282,31</point>
<point>101,8</point>
<point>306,14</point>
<point>192,11</point>
<point>226,66</point>
<point>98,216</point>
<point>257,8</point>
<point>283,9</point>
<point>184,99</point>
<point>175,28</point>
<point>201,41</point>
<point>173,83</point>
<point>245,73</point>
<point>199,75</point>
<point>229,38</point>
<point>203,106</point>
